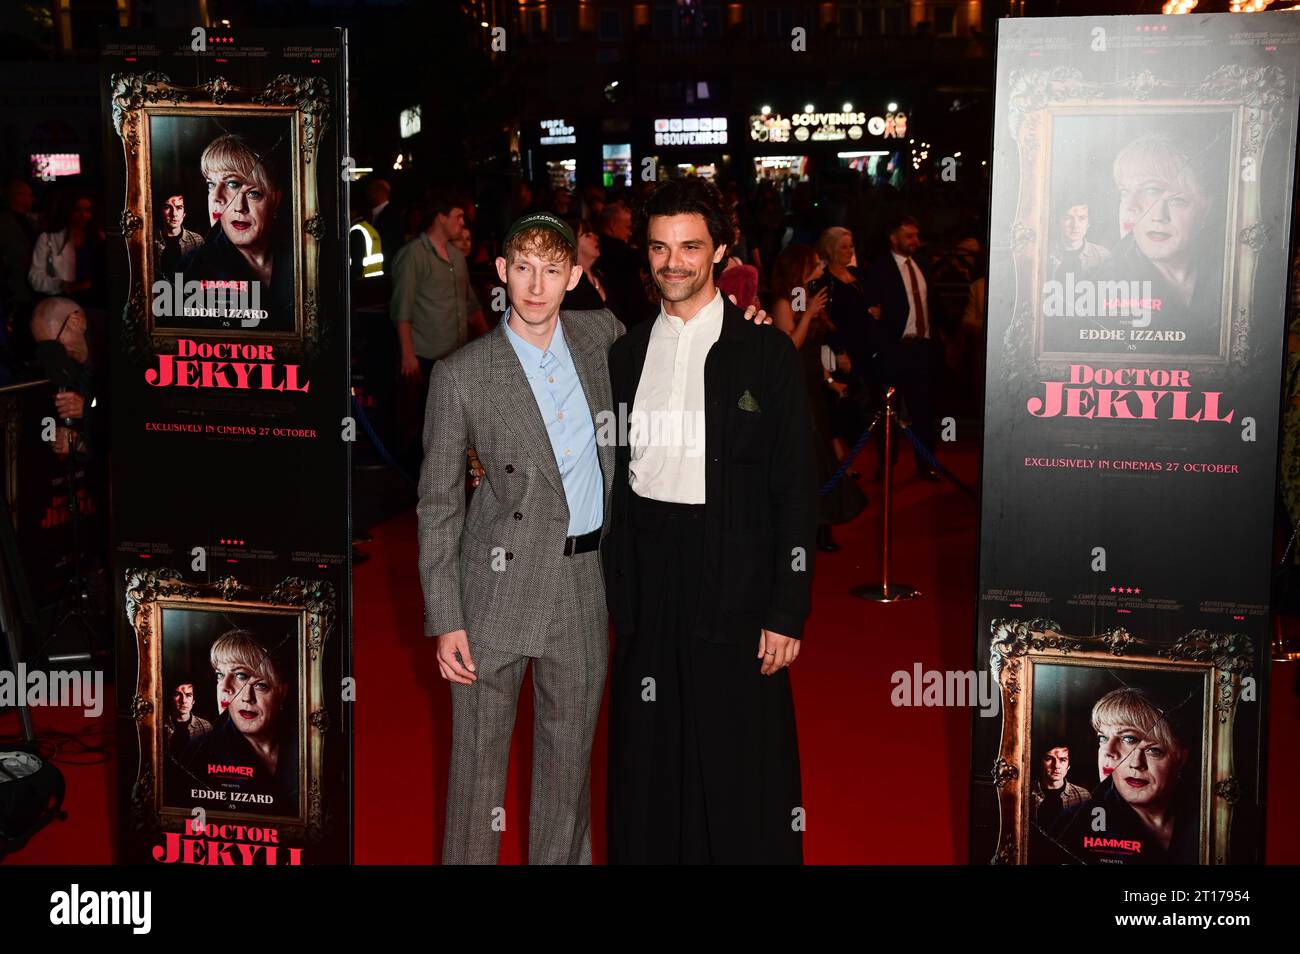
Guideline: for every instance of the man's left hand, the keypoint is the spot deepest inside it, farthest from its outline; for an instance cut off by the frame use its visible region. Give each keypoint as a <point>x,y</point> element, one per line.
<point>70,405</point>
<point>776,651</point>
<point>753,313</point>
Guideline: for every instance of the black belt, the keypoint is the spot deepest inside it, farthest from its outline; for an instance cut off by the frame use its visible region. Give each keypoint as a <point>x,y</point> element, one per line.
<point>583,544</point>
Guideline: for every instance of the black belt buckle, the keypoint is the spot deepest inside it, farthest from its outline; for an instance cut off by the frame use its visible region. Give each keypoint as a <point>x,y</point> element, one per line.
<point>587,541</point>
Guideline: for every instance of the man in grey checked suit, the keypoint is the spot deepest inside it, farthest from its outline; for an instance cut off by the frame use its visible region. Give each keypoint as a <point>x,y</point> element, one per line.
<point>516,577</point>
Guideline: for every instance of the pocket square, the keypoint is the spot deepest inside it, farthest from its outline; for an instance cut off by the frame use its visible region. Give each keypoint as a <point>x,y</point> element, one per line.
<point>747,402</point>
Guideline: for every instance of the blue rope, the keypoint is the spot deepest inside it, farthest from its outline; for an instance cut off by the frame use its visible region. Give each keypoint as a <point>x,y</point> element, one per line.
<point>925,452</point>
<point>848,458</point>
<point>376,443</point>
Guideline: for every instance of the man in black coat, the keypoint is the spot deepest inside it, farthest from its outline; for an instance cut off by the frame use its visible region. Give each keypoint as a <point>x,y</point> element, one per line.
<point>708,562</point>
<point>385,217</point>
<point>905,337</point>
<point>620,263</point>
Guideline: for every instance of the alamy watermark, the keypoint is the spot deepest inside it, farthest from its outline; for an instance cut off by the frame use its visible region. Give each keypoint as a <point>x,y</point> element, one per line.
<point>682,429</point>
<point>947,688</point>
<point>35,687</point>
<point>1130,301</point>
<point>223,300</point>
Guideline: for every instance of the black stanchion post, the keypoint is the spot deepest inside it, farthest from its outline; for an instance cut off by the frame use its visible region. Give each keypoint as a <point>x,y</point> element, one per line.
<point>884,591</point>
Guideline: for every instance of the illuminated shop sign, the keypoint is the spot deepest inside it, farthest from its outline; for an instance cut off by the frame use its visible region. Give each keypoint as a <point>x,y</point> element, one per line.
<point>556,132</point>
<point>825,127</point>
<point>691,131</point>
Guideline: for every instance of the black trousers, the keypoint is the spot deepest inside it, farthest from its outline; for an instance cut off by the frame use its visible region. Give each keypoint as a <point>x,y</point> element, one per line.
<point>411,454</point>
<point>911,366</point>
<point>703,755</point>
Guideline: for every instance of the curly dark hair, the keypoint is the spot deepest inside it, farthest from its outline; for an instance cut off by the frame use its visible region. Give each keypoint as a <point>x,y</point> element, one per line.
<point>689,195</point>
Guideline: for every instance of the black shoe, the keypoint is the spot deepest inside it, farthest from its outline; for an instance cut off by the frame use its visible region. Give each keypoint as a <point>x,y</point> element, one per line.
<point>825,542</point>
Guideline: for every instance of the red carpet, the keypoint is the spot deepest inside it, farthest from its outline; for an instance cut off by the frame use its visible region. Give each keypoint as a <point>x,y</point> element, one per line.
<point>882,785</point>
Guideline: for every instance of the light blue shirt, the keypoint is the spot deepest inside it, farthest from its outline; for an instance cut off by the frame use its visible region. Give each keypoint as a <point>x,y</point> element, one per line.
<point>554,379</point>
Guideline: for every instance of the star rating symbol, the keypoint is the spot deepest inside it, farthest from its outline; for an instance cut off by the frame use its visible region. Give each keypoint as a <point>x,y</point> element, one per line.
<point>1136,590</point>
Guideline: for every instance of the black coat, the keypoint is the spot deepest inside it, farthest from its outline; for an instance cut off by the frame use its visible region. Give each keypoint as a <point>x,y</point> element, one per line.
<point>620,265</point>
<point>760,484</point>
<point>883,284</point>
<point>389,225</point>
<point>218,260</point>
<point>583,297</point>
<point>1125,840</point>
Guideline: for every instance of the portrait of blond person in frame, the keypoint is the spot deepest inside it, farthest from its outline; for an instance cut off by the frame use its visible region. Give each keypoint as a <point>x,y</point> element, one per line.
<point>249,245</point>
<point>253,745</point>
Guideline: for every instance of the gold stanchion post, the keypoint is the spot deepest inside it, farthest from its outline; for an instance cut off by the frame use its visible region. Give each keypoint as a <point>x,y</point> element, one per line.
<point>884,591</point>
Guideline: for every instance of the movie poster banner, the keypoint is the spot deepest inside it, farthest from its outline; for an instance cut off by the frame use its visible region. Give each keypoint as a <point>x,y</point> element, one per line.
<point>1140,228</point>
<point>230,400</point>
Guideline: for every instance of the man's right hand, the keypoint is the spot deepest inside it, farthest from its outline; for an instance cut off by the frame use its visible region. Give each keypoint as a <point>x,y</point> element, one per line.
<point>410,366</point>
<point>70,405</point>
<point>449,646</point>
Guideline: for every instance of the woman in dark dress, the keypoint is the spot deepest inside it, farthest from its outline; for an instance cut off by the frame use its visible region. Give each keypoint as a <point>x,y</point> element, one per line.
<point>852,334</point>
<point>799,267</point>
<point>589,294</point>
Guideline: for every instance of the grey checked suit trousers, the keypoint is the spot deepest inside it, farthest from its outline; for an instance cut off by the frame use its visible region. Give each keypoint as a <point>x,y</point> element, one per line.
<point>497,569</point>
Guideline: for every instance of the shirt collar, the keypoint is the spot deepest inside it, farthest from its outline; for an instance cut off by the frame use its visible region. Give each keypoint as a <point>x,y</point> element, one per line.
<point>900,259</point>
<point>531,356</point>
<point>707,317</point>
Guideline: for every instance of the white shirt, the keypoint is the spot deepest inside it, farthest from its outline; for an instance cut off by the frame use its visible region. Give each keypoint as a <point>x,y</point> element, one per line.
<point>910,330</point>
<point>52,253</point>
<point>666,426</point>
<point>374,213</point>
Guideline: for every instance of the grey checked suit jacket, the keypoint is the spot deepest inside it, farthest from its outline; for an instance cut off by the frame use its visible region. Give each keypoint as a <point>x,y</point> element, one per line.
<point>479,397</point>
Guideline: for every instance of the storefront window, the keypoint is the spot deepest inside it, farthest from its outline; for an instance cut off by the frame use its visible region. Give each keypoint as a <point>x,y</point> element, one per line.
<point>779,169</point>
<point>562,173</point>
<point>616,163</point>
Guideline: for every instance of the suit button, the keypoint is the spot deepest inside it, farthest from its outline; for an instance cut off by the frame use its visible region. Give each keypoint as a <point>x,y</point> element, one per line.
<point>510,468</point>
<point>518,515</point>
<point>509,555</point>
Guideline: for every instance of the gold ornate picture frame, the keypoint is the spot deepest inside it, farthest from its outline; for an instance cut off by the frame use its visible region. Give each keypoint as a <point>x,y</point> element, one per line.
<point>309,606</point>
<point>303,104</point>
<point>1219,661</point>
<point>1250,99</point>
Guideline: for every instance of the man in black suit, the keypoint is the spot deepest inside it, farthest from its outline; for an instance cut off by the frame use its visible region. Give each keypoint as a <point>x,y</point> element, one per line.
<point>385,217</point>
<point>620,263</point>
<point>708,562</point>
<point>906,356</point>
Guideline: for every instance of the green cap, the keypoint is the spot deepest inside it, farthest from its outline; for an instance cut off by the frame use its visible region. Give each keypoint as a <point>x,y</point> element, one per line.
<point>543,220</point>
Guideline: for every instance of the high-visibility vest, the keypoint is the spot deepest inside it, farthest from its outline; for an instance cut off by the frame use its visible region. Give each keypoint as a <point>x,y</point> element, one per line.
<point>372,263</point>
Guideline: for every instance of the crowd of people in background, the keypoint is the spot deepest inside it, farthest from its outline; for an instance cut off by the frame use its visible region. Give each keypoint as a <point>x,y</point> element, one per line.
<point>51,247</point>
<point>869,295</point>
<point>869,298</point>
